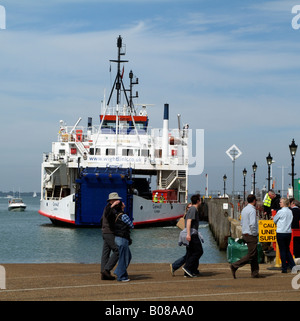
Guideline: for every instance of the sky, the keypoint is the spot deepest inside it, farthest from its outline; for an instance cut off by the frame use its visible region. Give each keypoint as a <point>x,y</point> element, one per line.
<point>231,68</point>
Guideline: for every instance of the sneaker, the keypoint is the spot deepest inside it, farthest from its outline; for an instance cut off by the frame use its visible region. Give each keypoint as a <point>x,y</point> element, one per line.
<point>126,280</point>
<point>188,272</point>
<point>172,270</point>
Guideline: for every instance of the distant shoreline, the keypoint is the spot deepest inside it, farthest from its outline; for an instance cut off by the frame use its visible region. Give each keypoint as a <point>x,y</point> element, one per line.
<point>4,194</point>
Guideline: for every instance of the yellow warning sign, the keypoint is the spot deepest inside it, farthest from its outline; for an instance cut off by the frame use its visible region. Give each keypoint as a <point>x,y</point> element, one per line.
<point>266,231</point>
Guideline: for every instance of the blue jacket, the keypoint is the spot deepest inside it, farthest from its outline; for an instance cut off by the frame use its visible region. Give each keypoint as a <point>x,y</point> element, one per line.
<point>283,219</point>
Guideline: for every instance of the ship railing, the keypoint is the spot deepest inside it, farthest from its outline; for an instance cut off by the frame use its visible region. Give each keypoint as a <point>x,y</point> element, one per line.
<point>80,133</point>
<point>50,198</point>
<point>168,202</point>
<point>83,134</point>
<point>165,182</point>
<point>51,157</point>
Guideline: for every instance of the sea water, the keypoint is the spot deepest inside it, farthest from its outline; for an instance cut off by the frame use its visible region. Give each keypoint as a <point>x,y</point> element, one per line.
<point>27,237</point>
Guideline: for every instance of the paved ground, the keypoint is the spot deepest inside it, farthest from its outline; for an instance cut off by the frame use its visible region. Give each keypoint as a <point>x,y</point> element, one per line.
<point>149,282</point>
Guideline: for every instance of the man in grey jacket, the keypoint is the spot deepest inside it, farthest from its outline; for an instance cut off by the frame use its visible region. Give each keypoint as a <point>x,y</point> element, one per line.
<point>250,236</point>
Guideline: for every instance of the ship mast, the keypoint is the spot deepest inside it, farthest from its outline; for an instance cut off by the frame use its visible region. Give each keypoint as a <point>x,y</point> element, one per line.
<point>118,84</point>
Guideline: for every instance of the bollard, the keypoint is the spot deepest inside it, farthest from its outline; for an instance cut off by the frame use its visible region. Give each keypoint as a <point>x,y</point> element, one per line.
<point>277,259</point>
<point>2,278</point>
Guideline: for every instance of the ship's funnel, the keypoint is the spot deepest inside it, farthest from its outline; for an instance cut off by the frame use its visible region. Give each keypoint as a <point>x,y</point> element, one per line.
<point>165,137</point>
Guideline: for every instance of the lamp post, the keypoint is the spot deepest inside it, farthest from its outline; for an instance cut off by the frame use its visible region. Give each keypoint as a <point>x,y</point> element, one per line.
<point>293,149</point>
<point>254,167</point>
<point>224,179</point>
<point>269,162</point>
<point>244,173</point>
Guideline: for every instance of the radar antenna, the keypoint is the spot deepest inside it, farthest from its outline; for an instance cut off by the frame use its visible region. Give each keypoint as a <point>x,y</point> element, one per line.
<point>119,77</point>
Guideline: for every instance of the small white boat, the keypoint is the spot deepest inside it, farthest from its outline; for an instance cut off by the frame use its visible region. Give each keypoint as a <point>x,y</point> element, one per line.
<point>16,205</point>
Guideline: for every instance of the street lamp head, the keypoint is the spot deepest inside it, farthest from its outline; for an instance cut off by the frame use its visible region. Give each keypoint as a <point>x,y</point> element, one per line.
<point>224,177</point>
<point>269,159</point>
<point>244,172</point>
<point>254,167</point>
<point>293,148</point>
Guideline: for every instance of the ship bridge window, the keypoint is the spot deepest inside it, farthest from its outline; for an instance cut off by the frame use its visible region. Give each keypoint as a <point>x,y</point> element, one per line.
<point>124,124</point>
<point>61,152</point>
<point>109,124</point>
<point>140,125</point>
<point>110,151</point>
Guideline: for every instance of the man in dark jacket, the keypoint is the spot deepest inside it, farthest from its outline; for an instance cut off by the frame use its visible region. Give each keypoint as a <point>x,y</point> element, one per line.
<point>194,249</point>
<point>271,202</point>
<point>295,207</point>
<point>108,219</point>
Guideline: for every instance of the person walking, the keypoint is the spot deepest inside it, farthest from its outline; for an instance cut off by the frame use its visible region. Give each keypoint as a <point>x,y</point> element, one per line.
<point>110,254</point>
<point>250,236</point>
<point>194,249</point>
<point>179,262</point>
<point>123,224</point>
<point>283,219</point>
<point>295,208</point>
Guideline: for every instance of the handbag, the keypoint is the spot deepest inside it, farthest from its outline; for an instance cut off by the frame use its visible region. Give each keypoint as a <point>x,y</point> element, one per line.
<point>181,223</point>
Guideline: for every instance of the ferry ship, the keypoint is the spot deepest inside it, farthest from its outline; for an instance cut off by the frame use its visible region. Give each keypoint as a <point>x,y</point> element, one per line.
<point>147,167</point>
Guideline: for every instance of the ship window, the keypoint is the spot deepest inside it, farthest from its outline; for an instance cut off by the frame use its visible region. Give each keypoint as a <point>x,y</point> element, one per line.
<point>158,153</point>
<point>92,151</point>
<point>127,152</point>
<point>110,151</point>
<point>145,152</point>
<point>62,152</point>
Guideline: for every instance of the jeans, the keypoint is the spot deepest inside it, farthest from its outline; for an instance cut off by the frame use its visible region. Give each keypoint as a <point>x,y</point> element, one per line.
<point>179,262</point>
<point>193,253</point>
<point>124,258</point>
<point>108,262</point>
<point>284,240</point>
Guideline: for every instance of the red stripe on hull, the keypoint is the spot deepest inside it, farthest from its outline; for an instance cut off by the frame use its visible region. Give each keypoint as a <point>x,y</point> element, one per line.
<point>56,218</point>
<point>159,220</point>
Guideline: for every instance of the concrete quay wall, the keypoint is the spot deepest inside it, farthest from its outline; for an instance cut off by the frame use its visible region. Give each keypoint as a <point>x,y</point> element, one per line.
<point>221,223</point>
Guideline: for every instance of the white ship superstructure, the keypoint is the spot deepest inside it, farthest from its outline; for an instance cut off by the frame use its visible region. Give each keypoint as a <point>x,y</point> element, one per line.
<point>147,167</point>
